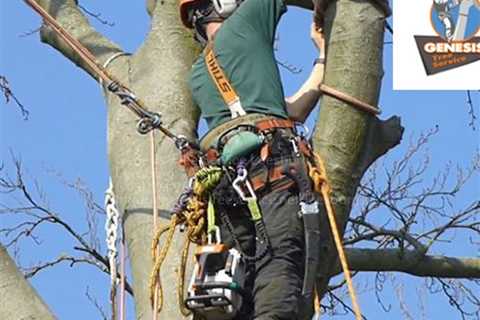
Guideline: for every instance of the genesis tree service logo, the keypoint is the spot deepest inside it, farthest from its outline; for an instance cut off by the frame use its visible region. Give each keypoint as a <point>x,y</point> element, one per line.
<point>457,42</point>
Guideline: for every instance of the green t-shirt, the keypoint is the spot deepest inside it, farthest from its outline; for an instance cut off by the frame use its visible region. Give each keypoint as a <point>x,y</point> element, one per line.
<point>244,49</point>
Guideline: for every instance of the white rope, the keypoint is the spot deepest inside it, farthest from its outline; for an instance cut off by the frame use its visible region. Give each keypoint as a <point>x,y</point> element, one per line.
<point>111,228</point>
<point>110,60</point>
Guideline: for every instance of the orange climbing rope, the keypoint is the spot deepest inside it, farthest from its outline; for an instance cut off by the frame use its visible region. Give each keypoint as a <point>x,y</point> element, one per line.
<point>157,294</point>
<point>318,173</point>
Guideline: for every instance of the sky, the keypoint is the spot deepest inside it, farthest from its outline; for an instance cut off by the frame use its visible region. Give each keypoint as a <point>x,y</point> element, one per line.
<point>64,139</point>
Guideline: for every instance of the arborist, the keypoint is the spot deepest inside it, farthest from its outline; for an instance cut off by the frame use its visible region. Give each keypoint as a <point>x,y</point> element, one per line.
<point>263,206</point>
<point>252,171</point>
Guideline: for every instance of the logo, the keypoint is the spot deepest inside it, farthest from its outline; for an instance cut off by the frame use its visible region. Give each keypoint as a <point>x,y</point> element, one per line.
<point>456,38</point>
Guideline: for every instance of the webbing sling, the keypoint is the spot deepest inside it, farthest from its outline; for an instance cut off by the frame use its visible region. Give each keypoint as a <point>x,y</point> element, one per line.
<point>224,87</point>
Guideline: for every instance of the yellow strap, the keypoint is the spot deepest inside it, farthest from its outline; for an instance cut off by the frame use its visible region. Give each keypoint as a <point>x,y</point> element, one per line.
<point>210,216</point>
<point>254,209</point>
<point>224,87</point>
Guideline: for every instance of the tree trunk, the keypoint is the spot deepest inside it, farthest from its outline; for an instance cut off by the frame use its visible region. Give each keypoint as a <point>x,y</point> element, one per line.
<point>18,299</point>
<point>347,139</point>
<point>158,74</point>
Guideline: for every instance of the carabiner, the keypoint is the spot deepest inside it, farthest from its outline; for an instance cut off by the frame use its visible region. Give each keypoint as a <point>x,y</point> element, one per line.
<point>241,178</point>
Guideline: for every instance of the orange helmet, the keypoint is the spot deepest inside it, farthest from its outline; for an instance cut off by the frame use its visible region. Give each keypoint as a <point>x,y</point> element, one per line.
<point>185,5</point>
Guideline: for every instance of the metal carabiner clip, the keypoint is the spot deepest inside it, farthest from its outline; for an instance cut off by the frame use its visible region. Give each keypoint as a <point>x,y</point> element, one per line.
<point>237,185</point>
<point>305,132</point>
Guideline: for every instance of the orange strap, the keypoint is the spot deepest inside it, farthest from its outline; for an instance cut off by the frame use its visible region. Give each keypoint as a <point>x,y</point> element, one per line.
<point>268,124</point>
<point>224,87</point>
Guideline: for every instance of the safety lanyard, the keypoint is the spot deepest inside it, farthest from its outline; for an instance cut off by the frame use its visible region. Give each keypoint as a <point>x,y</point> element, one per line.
<point>222,83</point>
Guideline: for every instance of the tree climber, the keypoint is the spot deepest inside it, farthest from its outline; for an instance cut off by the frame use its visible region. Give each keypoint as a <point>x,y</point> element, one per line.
<point>443,7</point>
<point>236,84</point>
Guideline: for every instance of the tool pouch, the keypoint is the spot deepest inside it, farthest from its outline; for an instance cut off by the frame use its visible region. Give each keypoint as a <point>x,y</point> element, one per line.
<point>239,145</point>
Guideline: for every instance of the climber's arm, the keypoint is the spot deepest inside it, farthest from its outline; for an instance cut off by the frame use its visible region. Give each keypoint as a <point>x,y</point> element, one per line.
<point>302,103</point>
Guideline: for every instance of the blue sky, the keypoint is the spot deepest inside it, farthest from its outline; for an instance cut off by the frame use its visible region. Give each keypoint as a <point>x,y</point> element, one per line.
<point>66,135</point>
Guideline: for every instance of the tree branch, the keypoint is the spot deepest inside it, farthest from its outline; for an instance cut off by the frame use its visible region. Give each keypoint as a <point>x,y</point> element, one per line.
<point>18,299</point>
<point>411,262</point>
<point>382,136</point>
<point>308,4</point>
<point>8,95</point>
<point>69,16</point>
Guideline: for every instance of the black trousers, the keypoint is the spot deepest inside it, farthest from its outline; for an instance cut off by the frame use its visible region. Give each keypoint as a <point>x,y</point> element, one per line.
<point>276,280</point>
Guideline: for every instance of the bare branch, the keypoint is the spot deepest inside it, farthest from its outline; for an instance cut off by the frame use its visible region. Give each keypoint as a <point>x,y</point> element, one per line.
<point>32,213</point>
<point>460,296</point>
<point>471,110</point>
<point>289,67</point>
<point>411,262</point>
<point>29,33</point>
<point>97,305</point>
<point>97,16</point>
<point>8,95</point>
<point>34,270</point>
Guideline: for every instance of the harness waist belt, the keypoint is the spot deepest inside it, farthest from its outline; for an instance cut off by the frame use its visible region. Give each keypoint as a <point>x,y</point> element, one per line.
<point>262,122</point>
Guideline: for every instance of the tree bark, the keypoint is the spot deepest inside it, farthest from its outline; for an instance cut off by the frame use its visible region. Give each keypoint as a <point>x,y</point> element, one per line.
<point>157,73</point>
<point>18,299</point>
<point>69,16</point>
<point>411,262</point>
<point>347,139</point>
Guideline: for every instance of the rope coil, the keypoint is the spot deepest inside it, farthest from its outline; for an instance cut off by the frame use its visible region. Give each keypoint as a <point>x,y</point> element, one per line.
<point>193,217</point>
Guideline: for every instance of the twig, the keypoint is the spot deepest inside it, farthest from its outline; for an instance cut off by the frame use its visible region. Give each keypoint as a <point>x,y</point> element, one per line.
<point>8,94</point>
<point>97,305</point>
<point>471,110</point>
<point>97,16</point>
<point>35,214</point>
<point>289,67</point>
<point>29,33</point>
